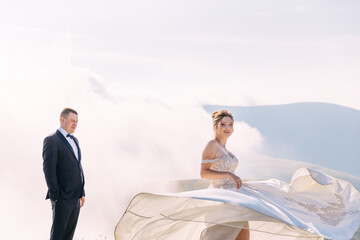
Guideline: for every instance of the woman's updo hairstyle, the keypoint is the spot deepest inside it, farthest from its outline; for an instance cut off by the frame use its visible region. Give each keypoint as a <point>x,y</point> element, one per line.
<point>219,115</point>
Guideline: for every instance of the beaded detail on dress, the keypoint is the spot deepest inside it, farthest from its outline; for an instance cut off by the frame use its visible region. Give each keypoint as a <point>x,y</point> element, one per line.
<point>225,163</point>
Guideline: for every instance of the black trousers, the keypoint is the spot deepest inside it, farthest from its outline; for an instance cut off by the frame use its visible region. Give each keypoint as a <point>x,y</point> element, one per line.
<point>65,217</point>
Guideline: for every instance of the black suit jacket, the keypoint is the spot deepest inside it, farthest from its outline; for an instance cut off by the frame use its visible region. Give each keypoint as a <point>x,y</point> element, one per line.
<point>63,172</point>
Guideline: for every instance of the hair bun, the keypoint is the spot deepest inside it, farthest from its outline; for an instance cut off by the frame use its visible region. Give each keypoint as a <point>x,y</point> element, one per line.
<point>214,114</point>
<point>218,115</point>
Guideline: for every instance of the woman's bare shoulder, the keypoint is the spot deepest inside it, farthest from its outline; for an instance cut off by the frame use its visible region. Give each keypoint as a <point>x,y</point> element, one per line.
<point>211,150</point>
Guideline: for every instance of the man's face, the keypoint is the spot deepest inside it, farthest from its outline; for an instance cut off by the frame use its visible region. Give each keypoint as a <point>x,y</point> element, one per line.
<point>69,123</point>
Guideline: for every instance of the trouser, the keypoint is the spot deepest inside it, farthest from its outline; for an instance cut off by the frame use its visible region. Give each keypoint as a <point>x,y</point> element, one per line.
<point>65,216</point>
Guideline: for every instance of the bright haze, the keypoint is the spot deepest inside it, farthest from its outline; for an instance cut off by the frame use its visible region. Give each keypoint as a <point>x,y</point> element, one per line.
<point>139,73</point>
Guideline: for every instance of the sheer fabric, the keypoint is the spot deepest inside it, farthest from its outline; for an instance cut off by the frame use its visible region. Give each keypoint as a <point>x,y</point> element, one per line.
<point>312,206</point>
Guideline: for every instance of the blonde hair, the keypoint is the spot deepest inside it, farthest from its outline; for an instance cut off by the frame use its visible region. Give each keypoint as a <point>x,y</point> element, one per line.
<point>219,115</point>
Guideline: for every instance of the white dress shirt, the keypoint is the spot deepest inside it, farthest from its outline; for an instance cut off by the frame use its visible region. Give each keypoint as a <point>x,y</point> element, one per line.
<point>71,141</point>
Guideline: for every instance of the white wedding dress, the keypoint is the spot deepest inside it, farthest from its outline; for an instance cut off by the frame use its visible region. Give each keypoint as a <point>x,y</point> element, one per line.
<point>312,206</point>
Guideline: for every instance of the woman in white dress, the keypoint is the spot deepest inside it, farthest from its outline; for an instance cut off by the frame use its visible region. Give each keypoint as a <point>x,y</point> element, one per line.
<point>218,164</point>
<point>312,206</point>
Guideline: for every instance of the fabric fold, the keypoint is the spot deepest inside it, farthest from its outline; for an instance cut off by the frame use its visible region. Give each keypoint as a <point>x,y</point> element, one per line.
<point>312,206</point>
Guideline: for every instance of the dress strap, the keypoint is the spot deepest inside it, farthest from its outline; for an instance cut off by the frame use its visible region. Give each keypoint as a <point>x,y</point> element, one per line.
<point>209,160</point>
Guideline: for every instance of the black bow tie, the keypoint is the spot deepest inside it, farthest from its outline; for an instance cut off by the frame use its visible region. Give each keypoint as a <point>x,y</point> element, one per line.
<point>70,136</point>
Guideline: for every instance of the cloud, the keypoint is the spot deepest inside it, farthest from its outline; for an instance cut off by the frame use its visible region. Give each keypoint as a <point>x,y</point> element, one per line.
<point>246,139</point>
<point>141,122</point>
<point>131,141</point>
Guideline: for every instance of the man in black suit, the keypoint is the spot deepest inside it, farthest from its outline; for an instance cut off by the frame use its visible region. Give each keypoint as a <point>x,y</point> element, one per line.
<point>64,176</point>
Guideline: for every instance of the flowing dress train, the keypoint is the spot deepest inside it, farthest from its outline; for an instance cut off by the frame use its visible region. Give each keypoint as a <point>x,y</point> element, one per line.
<point>312,206</point>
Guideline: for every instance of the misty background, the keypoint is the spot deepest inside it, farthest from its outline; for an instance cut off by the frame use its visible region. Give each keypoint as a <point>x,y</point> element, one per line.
<point>141,75</point>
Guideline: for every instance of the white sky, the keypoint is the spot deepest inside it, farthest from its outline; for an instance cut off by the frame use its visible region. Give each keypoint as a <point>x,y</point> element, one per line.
<point>243,52</point>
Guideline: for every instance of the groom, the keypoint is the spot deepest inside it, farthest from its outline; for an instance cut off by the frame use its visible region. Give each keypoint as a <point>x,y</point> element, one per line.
<point>64,176</point>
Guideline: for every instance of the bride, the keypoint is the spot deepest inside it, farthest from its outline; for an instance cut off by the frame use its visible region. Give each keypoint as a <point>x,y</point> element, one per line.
<point>218,164</point>
<point>313,206</point>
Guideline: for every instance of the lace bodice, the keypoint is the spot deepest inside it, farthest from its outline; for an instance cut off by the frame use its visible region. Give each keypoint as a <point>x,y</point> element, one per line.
<point>225,163</point>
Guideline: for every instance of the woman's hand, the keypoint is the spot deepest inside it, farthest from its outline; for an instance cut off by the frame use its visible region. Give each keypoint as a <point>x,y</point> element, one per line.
<point>236,180</point>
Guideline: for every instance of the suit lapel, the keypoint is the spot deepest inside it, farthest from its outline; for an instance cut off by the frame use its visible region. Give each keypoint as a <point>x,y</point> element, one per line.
<point>59,134</point>
<point>77,145</point>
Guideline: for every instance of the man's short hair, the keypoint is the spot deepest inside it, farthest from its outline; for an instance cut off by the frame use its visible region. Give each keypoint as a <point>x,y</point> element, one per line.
<point>65,112</point>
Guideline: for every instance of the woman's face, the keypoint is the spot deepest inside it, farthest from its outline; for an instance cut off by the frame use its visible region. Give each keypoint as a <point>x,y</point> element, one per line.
<point>225,127</point>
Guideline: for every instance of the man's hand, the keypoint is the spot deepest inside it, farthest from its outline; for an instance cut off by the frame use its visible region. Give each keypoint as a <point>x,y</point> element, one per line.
<point>82,201</point>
